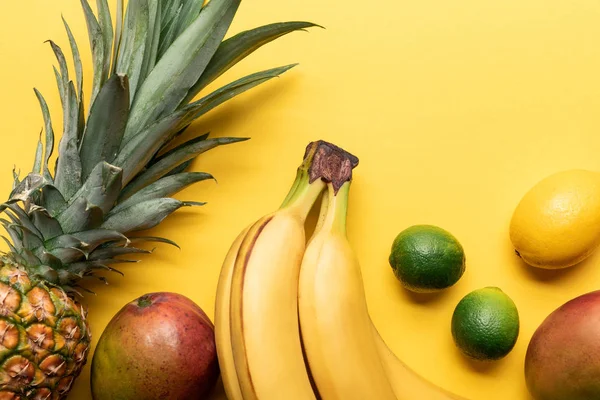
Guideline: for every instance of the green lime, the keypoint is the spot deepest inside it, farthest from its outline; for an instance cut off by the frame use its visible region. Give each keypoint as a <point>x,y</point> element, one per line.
<point>485,324</point>
<point>426,258</point>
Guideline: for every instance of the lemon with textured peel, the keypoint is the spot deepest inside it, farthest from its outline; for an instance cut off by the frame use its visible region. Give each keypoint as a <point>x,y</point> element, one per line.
<point>557,223</point>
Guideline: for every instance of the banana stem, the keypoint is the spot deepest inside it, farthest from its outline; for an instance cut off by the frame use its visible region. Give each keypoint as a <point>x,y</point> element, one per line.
<point>323,163</point>
<point>336,210</point>
<point>304,196</point>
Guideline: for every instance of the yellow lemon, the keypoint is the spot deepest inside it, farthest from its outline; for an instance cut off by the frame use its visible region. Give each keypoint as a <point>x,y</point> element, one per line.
<point>557,223</point>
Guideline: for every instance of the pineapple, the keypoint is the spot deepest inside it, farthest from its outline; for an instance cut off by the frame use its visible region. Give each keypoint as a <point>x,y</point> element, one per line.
<point>117,166</point>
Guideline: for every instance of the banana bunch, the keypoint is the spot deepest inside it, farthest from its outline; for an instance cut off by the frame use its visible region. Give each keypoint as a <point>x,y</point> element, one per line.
<point>291,318</point>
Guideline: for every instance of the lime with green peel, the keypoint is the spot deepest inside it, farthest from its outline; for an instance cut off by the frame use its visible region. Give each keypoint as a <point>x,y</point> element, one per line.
<point>485,324</point>
<point>427,258</point>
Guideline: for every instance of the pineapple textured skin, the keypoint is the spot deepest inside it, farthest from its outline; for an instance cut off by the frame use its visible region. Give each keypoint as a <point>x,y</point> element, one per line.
<point>44,337</point>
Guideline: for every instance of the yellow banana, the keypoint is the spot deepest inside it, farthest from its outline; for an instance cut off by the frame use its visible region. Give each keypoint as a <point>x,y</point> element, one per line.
<point>262,279</point>
<point>263,316</point>
<point>334,320</point>
<point>222,326</point>
<point>407,384</point>
<point>345,373</point>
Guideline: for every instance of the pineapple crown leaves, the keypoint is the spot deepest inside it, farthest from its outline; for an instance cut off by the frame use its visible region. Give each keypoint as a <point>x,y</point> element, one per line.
<point>118,163</point>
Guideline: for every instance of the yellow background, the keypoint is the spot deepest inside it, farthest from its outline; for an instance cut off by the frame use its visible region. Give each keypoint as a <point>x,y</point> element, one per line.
<point>455,109</point>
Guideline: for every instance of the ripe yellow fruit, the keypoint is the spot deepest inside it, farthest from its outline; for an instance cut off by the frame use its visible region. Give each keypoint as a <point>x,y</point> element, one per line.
<point>557,223</point>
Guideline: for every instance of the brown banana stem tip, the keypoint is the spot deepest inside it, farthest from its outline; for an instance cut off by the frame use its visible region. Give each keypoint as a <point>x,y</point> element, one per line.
<point>330,163</point>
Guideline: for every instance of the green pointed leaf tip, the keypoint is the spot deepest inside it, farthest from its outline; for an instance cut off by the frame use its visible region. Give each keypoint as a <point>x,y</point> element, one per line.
<point>171,159</point>
<point>167,34</point>
<point>136,153</point>
<point>106,27</point>
<point>227,92</point>
<point>37,163</point>
<point>62,62</point>
<point>168,12</point>
<point>106,124</point>
<point>76,60</point>
<point>152,38</point>
<point>118,33</point>
<point>68,167</point>
<point>189,12</point>
<point>164,187</point>
<point>97,46</point>
<point>62,91</point>
<point>111,252</point>
<point>218,97</point>
<point>133,43</point>
<point>181,66</point>
<point>238,47</point>
<point>143,215</point>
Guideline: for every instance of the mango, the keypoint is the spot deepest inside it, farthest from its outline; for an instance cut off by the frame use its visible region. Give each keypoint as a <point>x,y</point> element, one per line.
<point>160,346</point>
<point>563,356</point>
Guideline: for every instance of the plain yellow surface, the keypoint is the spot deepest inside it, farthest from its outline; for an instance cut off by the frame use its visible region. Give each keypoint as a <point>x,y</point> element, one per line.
<point>455,109</point>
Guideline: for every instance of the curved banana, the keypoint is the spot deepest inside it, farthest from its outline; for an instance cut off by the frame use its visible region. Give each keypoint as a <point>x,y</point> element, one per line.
<point>263,316</point>
<point>407,384</point>
<point>334,321</point>
<point>342,289</point>
<point>222,326</point>
<point>265,344</point>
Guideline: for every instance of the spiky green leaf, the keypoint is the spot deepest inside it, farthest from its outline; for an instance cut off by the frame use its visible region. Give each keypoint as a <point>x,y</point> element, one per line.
<point>181,66</point>
<point>48,226</point>
<point>68,255</point>
<point>62,90</point>
<point>171,159</point>
<point>76,61</point>
<point>62,63</point>
<point>102,187</point>
<point>186,115</point>
<point>238,47</point>
<point>78,78</point>
<point>105,22</point>
<point>97,46</point>
<point>79,216</point>
<point>142,239</point>
<point>189,12</point>
<point>106,124</point>
<point>143,215</point>
<point>118,33</point>
<point>26,238</point>
<point>68,168</point>
<point>168,32</point>
<point>168,12</point>
<point>25,188</point>
<point>50,260</point>
<point>52,200</point>
<point>37,162</point>
<point>15,240</point>
<point>48,130</point>
<point>23,219</point>
<point>180,168</point>
<point>88,240</point>
<point>140,149</point>
<point>164,187</point>
<point>28,257</point>
<point>133,43</point>
<point>111,252</point>
<point>152,38</point>
<point>198,108</point>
